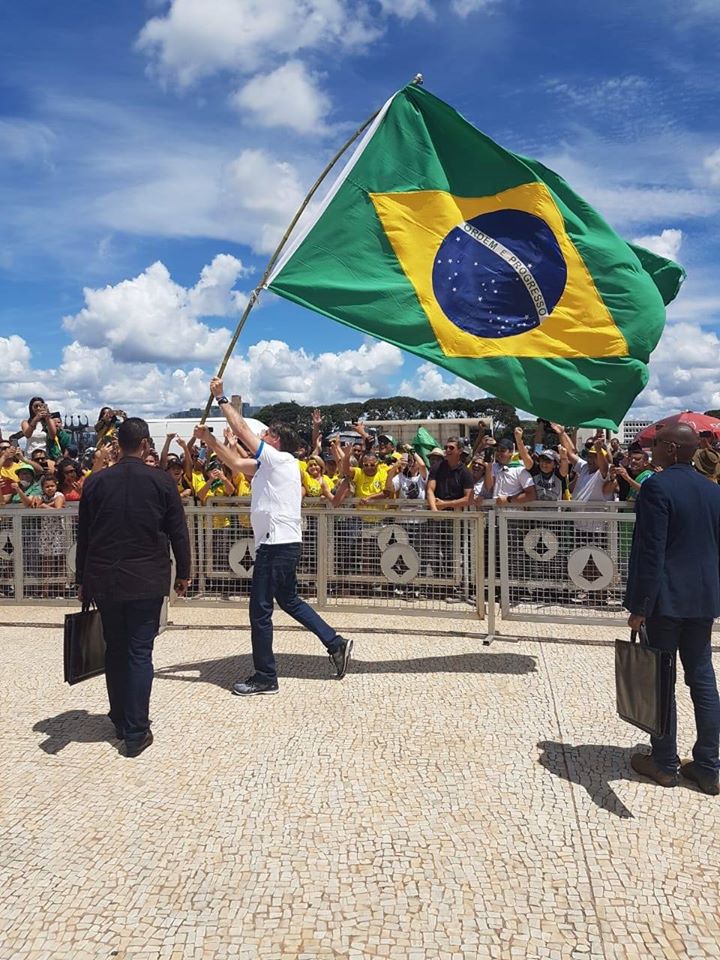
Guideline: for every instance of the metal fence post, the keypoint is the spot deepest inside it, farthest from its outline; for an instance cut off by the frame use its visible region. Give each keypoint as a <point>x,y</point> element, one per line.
<point>321,559</point>
<point>479,530</point>
<point>18,557</point>
<point>491,578</point>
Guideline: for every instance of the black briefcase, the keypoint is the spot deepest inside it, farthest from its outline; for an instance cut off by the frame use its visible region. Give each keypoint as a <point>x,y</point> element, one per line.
<point>644,684</point>
<point>84,645</point>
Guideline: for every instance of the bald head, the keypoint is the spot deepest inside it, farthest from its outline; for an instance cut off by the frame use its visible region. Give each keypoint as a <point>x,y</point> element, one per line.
<point>674,443</point>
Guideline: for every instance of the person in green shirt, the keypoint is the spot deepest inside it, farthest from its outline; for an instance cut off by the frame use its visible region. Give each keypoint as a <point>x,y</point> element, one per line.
<point>27,486</point>
<point>58,440</point>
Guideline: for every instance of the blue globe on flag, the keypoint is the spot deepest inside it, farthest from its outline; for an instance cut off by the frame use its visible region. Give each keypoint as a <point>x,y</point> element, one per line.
<point>499,274</point>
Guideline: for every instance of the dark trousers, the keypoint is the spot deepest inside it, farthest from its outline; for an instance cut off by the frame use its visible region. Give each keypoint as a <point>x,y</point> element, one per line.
<point>274,578</point>
<point>130,628</point>
<point>691,638</point>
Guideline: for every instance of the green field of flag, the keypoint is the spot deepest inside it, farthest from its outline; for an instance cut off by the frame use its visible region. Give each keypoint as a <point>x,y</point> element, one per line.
<point>438,240</point>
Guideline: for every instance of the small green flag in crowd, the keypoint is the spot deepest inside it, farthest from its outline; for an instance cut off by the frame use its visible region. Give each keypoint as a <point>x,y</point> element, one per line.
<point>423,442</point>
<point>438,240</point>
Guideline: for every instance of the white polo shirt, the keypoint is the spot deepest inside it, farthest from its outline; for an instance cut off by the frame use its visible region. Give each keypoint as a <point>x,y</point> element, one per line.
<point>276,495</point>
<point>509,481</point>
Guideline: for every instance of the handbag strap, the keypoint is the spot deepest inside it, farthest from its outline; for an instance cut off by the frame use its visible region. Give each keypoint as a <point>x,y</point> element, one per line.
<point>643,636</point>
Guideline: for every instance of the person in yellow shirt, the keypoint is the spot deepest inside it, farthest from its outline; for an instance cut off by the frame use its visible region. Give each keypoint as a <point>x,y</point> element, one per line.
<point>314,483</point>
<point>368,480</point>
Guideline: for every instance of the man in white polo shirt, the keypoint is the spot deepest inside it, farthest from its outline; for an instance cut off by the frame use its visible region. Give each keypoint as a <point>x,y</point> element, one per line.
<point>275,513</point>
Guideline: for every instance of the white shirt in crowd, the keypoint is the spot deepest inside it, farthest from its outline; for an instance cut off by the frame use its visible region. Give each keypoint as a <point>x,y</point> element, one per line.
<point>509,481</point>
<point>589,486</point>
<point>276,498</point>
<point>409,488</point>
<point>36,441</point>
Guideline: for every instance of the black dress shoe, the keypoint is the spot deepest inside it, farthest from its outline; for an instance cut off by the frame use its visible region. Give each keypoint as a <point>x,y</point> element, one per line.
<point>134,750</point>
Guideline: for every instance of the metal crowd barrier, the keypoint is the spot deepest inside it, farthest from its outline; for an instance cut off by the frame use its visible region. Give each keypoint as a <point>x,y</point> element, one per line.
<point>564,562</point>
<point>557,562</point>
<point>357,559</point>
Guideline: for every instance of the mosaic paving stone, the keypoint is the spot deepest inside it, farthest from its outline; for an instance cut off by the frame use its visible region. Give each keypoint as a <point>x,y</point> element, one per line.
<point>444,802</point>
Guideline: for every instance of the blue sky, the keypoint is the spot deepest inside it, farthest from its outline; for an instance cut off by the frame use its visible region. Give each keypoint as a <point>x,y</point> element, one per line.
<point>152,153</point>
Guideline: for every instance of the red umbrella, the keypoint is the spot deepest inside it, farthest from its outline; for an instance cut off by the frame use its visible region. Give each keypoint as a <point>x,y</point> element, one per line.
<point>698,421</point>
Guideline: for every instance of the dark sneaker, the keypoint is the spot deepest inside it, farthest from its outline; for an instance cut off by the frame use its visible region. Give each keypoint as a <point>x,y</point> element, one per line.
<point>708,783</point>
<point>254,685</point>
<point>340,658</point>
<point>644,764</point>
<point>135,749</point>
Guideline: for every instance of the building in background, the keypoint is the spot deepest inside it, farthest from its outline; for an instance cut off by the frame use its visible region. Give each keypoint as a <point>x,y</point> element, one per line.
<point>630,428</point>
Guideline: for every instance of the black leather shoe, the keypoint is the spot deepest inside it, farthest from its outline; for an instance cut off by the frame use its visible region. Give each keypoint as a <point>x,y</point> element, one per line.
<point>134,750</point>
<point>705,781</point>
<point>340,658</point>
<point>644,764</point>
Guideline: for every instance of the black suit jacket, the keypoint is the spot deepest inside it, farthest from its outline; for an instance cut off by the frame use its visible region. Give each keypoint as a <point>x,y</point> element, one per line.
<point>675,559</point>
<point>127,515</point>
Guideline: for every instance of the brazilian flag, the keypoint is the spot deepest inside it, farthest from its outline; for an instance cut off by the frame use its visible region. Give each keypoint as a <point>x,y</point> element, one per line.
<point>438,240</point>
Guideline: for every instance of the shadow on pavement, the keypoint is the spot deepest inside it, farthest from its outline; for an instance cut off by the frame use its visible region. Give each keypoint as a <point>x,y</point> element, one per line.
<point>74,726</point>
<point>225,671</point>
<point>592,766</point>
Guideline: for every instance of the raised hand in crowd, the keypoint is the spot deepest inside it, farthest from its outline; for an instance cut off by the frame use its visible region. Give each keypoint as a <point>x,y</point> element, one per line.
<point>525,454</point>
<point>564,467</point>
<point>32,501</point>
<point>316,432</point>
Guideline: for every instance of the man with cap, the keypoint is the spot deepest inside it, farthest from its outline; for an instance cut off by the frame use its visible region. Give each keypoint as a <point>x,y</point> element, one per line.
<point>386,449</point>
<point>673,588</point>
<point>549,469</point>
<point>510,484</point>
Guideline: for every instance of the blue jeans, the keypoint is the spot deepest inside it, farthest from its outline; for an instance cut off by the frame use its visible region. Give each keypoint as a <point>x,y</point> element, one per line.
<point>130,628</point>
<point>274,578</point>
<point>691,638</point>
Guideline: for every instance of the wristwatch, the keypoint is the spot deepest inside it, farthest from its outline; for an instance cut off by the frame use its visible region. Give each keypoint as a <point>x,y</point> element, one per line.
<point>221,400</point>
<point>508,499</point>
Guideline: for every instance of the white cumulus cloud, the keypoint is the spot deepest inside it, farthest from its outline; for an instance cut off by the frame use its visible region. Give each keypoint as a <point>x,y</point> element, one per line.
<point>683,372</point>
<point>429,383</point>
<point>272,371</point>
<point>152,318</point>
<point>197,38</point>
<point>287,97</point>
<point>261,194</point>
<point>665,244</point>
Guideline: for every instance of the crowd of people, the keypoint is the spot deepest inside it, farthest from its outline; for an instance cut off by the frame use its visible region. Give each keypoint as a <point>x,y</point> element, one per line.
<point>39,467</point>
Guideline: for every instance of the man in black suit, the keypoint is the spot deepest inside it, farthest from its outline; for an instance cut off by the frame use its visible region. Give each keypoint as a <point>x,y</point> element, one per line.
<point>127,515</point>
<point>674,589</point>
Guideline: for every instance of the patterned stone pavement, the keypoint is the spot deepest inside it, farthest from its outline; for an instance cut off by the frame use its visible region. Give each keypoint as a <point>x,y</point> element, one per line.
<point>444,802</point>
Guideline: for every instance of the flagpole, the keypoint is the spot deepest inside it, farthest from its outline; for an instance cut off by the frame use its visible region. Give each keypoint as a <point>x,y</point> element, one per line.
<point>253,298</point>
